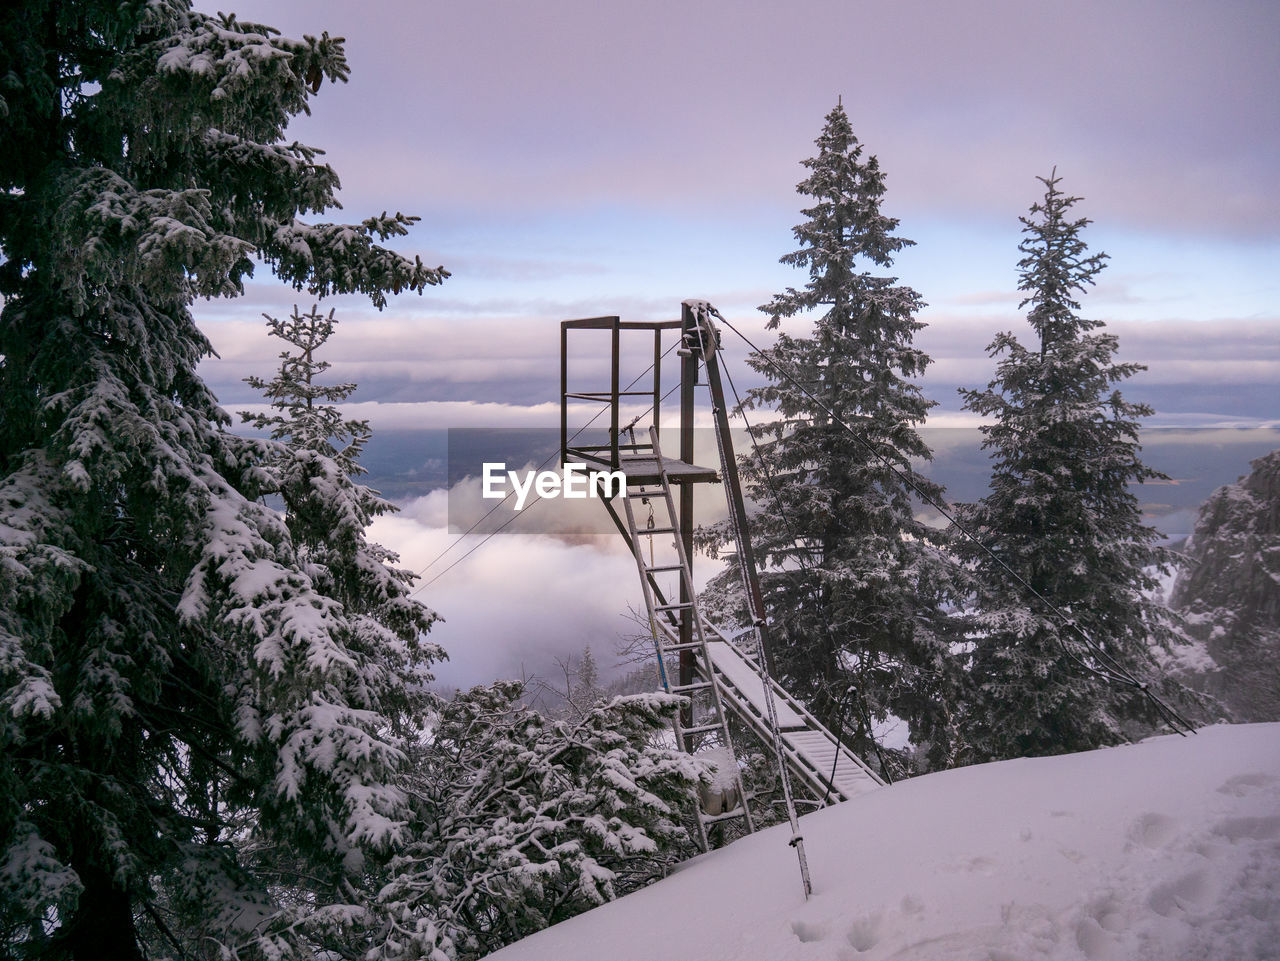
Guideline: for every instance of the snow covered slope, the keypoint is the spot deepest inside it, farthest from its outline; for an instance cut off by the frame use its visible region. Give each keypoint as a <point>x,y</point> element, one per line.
<point>1167,850</point>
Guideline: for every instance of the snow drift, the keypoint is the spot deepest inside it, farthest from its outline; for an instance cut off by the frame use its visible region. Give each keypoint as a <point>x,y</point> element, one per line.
<point>1168,850</point>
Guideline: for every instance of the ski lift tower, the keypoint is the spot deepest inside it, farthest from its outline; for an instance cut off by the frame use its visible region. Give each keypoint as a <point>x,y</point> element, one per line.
<point>718,671</point>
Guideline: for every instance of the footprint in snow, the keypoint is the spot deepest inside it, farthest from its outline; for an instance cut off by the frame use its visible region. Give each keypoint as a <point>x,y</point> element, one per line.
<point>864,934</point>
<point>1181,896</point>
<point>808,932</point>
<point>1243,785</point>
<point>1095,943</point>
<point>1098,927</point>
<point>978,865</point>
<point>1152,830</point>
<point>1109,912</point>
<point>1247,829</point>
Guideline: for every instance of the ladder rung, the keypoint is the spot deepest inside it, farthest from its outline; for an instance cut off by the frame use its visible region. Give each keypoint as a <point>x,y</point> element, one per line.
<point>713,818</point>
<point>673,607</point>
<point>686,688</point>
<point>677,648</point>
<point>657,530</point>
<point>663,567</point>
<point>644,493</point>
<point>701,728</point>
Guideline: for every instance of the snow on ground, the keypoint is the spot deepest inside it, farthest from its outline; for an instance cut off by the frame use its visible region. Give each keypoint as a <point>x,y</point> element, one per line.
<point>1167,850</point>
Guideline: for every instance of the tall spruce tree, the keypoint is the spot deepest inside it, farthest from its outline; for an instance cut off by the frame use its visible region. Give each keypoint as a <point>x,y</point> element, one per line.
<point>1061,514</point>
<point>855,583</point>
<point>178,680</point>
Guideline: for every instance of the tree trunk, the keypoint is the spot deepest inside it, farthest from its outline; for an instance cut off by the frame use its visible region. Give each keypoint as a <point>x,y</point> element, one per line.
<point>102,928</point>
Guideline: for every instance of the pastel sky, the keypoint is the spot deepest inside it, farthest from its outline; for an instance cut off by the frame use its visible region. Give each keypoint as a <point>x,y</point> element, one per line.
<point>572,158</point>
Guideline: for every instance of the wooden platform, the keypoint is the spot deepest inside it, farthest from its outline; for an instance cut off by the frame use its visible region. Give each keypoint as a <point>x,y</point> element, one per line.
<point>642,469</point>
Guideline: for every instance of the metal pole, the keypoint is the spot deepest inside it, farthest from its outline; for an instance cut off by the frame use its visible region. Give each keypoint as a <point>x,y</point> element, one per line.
<point>614,439</point>
<point>688,381</point>
<point>733,490</point>
<point>657,376</point>
<point>564,391</point>
<point>751,581</point>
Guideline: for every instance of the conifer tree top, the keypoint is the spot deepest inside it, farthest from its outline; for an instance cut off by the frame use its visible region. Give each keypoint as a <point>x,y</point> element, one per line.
<point>843,228</point>
<point>1056,264</point>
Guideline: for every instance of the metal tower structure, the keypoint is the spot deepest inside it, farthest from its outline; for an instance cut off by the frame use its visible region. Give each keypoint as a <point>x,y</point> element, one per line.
<point>719,671</point>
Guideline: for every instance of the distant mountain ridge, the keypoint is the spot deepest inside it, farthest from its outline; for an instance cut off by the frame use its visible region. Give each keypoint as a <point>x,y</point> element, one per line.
<point>1230,595</point>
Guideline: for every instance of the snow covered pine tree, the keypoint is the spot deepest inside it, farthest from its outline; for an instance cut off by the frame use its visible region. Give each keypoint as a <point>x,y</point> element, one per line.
<point>313,469</point>
<point>525,820</point>
<point>856,584</point>
<point>1230,593</point>
<point>585,690</point>
<point>1061,514</point>
<point>176,672</point>
<point>327,514</point>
